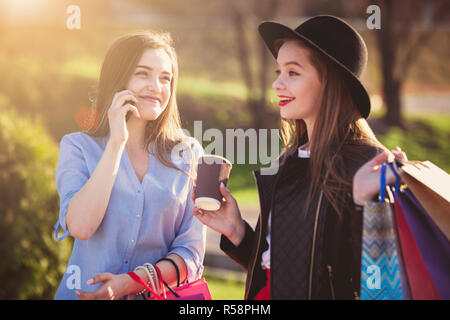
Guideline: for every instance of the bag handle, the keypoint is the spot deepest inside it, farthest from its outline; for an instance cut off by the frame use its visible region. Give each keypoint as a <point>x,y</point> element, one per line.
<point>163,283</point>
<point>393,167</point>
<point>383,180</point>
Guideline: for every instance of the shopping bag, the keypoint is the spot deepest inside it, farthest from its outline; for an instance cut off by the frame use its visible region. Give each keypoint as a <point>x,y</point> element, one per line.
<point>433,245</point>
<point>197,290</point>
<point>382,271</point>
<point>381,277</point>
<point>431,187</point>
<point>419,280</point>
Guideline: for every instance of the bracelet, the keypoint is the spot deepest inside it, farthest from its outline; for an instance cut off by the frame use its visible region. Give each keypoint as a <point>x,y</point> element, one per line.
<point>136,278</point>
<point>149,279</point>
<point>176,268</point>
<point>152,271</point>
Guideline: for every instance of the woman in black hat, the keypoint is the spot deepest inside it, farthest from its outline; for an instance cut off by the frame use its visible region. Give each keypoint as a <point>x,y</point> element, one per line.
<point>307,242</point>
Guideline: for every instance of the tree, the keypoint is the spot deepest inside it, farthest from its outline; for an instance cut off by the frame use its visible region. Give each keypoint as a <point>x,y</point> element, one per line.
<point>405,30</point>
<point>255,79</point>
<point>32,262</point>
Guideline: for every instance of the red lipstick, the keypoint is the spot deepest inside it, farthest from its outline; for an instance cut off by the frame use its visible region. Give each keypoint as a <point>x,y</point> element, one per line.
<point>284,100</point>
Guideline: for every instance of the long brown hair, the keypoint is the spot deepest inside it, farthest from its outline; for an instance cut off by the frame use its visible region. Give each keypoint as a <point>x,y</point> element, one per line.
<point>339,133</point>
<point>118,67</point>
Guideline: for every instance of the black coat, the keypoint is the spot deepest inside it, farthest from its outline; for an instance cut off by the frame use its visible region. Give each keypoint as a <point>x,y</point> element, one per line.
<point>313,256</point>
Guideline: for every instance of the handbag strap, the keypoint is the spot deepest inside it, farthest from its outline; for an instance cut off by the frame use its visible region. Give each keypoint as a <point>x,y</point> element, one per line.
<point>171,290</point>
<point>397,176</point>
<point>136,278</point>
<point>163,283</point>
<point>383,180</point>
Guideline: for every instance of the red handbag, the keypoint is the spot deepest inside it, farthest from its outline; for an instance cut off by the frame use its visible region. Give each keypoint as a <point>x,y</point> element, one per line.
<point>197,290</point>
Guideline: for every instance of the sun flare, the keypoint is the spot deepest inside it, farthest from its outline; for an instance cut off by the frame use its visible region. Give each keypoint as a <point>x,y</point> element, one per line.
<point>17,9</point>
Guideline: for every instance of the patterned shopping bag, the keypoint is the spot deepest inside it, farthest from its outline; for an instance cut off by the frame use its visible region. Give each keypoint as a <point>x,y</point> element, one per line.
<point>382,276</point>
<point>382,269</point>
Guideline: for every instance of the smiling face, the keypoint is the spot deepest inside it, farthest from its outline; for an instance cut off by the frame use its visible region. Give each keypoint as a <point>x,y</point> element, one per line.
<point>151,83</point>
<point>298,84</point>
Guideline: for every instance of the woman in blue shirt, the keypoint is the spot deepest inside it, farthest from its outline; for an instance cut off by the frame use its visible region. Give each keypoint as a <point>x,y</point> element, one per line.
<point>125,194</point>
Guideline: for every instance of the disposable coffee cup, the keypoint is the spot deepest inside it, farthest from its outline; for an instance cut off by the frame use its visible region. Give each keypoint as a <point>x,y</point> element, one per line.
<point>211,171</point>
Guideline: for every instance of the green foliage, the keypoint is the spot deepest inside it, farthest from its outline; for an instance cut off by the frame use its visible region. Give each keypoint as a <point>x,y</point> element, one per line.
<point>32,262</point>
<point>426,138</point>
<point>225,289</point>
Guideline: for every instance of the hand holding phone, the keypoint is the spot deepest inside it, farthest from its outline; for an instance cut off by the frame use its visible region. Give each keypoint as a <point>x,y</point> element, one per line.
<point>122,104</point>
<point>129,112</point>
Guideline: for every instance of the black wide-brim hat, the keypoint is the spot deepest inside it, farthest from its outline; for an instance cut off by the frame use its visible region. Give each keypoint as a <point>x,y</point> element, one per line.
<point>337,41</point>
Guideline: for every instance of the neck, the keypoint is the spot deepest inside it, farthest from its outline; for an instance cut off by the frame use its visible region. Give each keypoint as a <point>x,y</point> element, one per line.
<point>309,130</point>
<point>136,134</point>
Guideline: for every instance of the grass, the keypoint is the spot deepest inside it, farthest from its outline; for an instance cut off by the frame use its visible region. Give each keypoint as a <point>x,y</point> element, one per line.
<point>225,289</point>
<point>246,196</point>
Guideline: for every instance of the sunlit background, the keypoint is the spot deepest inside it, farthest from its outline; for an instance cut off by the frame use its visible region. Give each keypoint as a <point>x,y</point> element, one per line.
<point>48,76</point>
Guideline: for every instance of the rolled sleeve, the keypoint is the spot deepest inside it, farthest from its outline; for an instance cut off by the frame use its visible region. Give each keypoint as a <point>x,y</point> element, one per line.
<point>190,242</point>
<point>71,175</point>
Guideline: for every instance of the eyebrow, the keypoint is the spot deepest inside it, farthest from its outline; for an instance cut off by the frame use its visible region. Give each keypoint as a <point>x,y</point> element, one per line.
<point>151,69</point>
<point>294,63</point>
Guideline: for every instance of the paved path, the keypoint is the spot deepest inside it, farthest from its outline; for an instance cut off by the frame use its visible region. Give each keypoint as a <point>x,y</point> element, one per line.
<point>214,257</point>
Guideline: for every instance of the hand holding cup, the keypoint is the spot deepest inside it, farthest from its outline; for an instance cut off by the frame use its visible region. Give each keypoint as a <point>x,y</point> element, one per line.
<point>215,206</point>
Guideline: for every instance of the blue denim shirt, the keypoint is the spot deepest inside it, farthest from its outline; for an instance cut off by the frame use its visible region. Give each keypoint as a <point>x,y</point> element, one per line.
<point>142,223</point>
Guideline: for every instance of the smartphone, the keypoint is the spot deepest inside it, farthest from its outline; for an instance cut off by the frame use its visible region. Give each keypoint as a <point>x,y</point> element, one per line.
<point>129,113</point>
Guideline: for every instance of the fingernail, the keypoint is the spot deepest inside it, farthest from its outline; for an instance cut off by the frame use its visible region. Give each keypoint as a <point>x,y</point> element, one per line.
<point>90,281</point>
<point>77,293</point>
